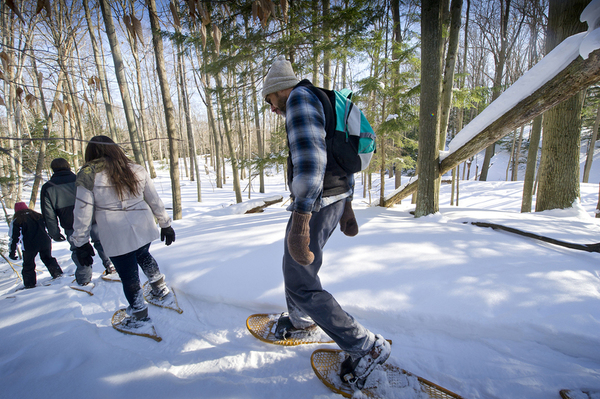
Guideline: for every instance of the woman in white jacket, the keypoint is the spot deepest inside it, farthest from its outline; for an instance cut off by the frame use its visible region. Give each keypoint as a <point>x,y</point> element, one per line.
<point>121,196</point>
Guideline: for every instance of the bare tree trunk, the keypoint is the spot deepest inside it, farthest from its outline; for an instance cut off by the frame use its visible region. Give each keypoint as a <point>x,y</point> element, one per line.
<point>226,127</point>
<point>42,151</point>
<point>559,166</point>
<point>10,190</point>
<point>528,181</point>
<point>122,79</point>
<point>598,206</point>
<point>431,81</point>
<point>517,156</point>
<point>158,124</point>
<point>101,75</point>
<point>511,155</point>
<point>207,98</point>
<point>590,153</point>
<point>326,53</point>
<point>259,138</point>
<point>499,72</point>
<point>455,12</point>
<point>142,131</point>
<point>169,110</point>
<point>188,123</point>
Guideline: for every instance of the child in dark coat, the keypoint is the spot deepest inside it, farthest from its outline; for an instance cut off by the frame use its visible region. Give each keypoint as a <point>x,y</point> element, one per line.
<point>28,227</point>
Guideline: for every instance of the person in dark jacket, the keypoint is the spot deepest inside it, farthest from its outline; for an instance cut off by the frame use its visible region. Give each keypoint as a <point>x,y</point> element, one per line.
<point>321,193</point>
<point>28,228</point>
<point>58,201</point>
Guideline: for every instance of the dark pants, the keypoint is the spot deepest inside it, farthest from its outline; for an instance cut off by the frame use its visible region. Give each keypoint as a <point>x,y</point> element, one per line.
<point>29,278</point>
<point>307,302</point>
<point>127,267</point>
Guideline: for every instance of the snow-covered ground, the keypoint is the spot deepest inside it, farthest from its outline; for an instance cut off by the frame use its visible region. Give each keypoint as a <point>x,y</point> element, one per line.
<point>483,313</point>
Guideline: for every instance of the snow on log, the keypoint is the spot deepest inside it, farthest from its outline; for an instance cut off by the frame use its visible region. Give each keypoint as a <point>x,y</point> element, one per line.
<point>578,75</point>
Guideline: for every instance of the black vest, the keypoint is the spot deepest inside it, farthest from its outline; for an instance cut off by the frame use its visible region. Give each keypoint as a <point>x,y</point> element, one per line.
<point>335,181</point>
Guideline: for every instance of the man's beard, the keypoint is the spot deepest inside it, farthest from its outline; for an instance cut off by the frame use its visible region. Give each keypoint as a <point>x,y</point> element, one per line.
<point>281,104</point>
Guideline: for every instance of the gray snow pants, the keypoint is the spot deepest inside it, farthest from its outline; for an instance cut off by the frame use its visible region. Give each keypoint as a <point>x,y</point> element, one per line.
<point>83,274</point>
<point>307,302</point>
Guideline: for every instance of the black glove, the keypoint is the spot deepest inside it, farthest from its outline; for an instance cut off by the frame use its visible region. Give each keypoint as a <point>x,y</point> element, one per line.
<point>13,256</point>
<point>167,234</point>
<point>59,237</point>
<point>84,254</point>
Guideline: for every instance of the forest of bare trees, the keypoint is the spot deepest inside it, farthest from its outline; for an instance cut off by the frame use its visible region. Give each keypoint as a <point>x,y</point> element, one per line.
<point>172,81</point>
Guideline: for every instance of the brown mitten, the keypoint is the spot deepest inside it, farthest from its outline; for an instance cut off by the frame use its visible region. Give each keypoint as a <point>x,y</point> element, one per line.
<point>348,223</point>
<point>299,238</point>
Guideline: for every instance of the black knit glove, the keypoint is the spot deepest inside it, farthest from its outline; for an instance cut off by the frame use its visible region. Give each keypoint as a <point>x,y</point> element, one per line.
<point>59,237</point>
<point>167,234</point>
<point>348,223</point>
<point>13,256</point>
<point>299,238</point>
<point>84,254</point>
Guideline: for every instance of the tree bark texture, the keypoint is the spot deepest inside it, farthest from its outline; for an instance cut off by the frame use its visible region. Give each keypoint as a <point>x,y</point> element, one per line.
<point>430,105</point>
<point>590,154</point>
<point>169,110</point>
<point>559,165</point>
<point>532,157</point>
<point>122,79</point>
<point>101,75</point>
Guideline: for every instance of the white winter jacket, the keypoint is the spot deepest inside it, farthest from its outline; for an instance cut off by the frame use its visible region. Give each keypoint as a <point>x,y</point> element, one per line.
<point>123,225</point>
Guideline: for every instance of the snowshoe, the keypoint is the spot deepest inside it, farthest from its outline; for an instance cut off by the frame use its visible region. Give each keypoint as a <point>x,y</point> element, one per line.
<point>126,324</point>
<point>169,300</point>
<point>83,288</point>
<point>263,325</point>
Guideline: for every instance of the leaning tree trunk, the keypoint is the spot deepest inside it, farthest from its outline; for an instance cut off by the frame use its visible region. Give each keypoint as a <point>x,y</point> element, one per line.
<point>122,79</point>
<point>578,75</point>
<point>169,110</point>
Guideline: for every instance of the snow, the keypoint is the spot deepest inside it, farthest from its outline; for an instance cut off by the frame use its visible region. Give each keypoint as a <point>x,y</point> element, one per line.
<point>483,313</point>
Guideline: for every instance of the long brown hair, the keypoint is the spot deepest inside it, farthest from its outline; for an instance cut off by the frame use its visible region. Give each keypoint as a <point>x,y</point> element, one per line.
<point>20,216</point>
<point>116,163</point>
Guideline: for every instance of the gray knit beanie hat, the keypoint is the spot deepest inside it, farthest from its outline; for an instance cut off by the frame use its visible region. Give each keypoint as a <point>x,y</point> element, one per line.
<point>281,76</point>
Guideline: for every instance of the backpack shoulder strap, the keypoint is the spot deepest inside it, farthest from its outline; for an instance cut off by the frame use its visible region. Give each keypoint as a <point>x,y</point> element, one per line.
<point>327,98</point>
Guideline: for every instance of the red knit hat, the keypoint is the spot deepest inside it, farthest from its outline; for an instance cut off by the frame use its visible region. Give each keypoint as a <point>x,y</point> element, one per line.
<point>20,206</point>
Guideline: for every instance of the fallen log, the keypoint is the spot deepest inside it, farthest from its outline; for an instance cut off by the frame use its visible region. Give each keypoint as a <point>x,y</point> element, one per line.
<point>581,247</point>
<point>265,204</point>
